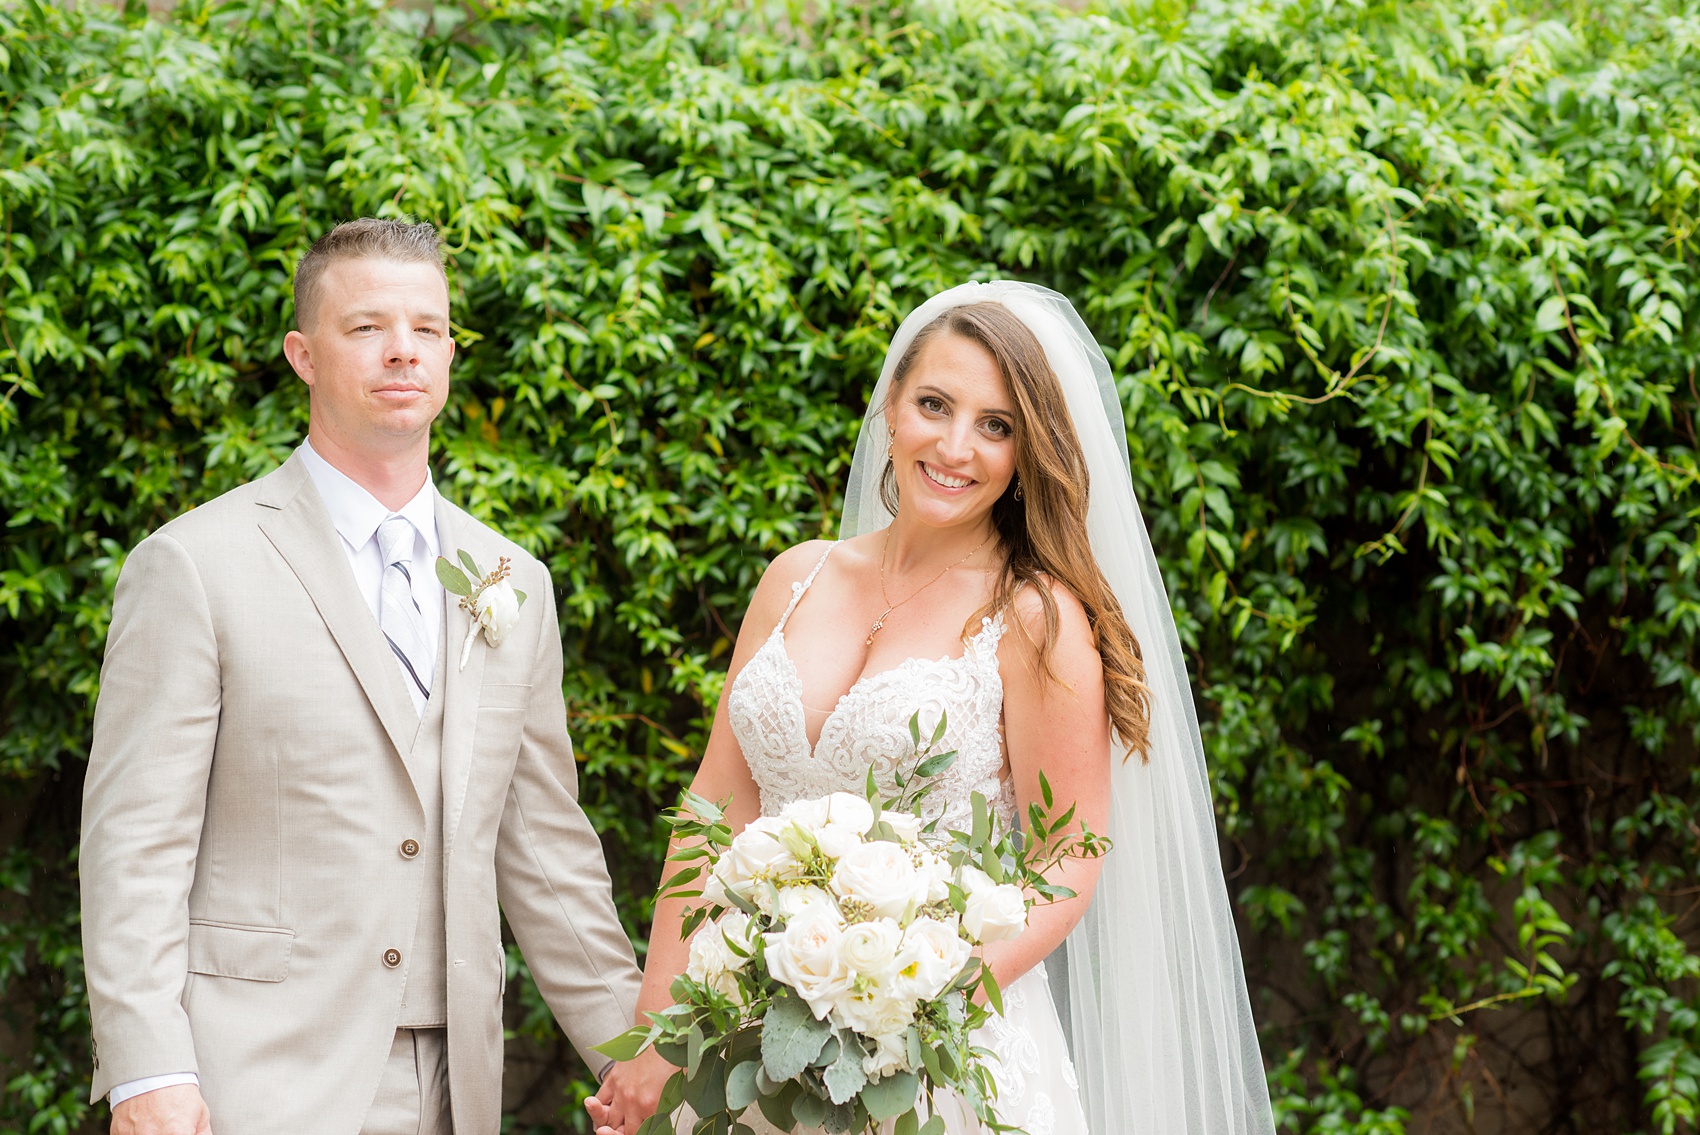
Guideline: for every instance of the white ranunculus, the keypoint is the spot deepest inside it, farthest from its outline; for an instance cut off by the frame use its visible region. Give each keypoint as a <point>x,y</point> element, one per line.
<point>805,956</point>
<point>890,1056</point>
<point>758,853</point>
<point>931,956</point>
<point>874,1011</point>
<point>995,913</point>
<point>907,825</point>
<point>498,611</point>
<point>869,949</point>
<point>883,876</point>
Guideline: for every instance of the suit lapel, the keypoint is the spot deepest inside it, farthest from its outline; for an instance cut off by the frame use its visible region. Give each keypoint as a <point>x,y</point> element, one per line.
<point>295,521</point>
<point>461,687</point>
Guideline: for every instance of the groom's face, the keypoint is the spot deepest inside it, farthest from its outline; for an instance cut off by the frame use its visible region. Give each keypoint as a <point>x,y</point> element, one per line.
<point>376,353</point>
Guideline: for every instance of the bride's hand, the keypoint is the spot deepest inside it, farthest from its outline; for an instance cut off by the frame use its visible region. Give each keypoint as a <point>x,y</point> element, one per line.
<point>629,1094</point>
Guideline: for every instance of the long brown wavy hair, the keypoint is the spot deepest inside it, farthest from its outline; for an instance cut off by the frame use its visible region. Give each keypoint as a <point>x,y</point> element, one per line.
<point>1044,532</point>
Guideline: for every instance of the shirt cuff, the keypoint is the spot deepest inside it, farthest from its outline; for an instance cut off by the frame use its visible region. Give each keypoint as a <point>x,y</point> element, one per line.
<point>606,1068</point>
<point>134,1088</point>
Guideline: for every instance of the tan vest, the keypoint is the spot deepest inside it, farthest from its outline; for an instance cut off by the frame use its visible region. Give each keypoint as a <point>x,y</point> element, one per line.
<point>425,996</point>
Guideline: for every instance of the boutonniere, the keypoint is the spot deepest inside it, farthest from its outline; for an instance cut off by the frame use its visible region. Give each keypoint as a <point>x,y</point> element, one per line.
<point>490,599</point>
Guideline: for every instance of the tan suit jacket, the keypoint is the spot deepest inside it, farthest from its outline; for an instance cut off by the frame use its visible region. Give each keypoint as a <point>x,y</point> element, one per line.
<point>247,802</point>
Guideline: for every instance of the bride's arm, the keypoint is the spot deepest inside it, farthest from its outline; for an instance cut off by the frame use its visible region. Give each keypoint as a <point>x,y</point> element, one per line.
<point>635,1086</point>
<point>1058,726</point>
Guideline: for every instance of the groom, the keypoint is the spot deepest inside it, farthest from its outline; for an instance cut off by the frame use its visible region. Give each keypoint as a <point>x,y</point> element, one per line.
<point>302,808</point>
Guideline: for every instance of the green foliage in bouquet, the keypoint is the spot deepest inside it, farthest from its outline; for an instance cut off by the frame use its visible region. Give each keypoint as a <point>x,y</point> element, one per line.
<point>744,1035</point>
<point>1400,298</point>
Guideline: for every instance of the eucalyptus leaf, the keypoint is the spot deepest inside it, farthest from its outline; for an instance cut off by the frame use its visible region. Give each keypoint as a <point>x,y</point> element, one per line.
<point>452,578</point>
<point>892,1095</point>
<point>741,1088</point>
<point>844,1077</point>
<point>791,1038</point>
<point>809,1110</point>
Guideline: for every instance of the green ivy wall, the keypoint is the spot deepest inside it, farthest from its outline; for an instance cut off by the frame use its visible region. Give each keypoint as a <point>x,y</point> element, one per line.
<point>1401,302</point>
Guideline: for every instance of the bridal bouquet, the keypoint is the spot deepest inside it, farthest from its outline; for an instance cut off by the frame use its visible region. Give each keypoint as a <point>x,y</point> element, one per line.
<point>832,974</point>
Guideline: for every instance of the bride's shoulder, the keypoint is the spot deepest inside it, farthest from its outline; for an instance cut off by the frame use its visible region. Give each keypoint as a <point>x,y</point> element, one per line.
<point>798,562</point>
<point>1073,626</point>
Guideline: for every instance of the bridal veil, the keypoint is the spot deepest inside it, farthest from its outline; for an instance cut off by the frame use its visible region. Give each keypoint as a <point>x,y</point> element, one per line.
<point>1152,992</point>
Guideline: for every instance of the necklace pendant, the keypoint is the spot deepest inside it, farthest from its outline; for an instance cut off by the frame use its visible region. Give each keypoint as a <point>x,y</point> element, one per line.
<point>873,630</point>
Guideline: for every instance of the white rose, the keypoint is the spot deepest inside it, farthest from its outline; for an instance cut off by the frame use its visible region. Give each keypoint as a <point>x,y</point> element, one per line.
<point>737,930</point>
<point>890,1056</point>
<point>797,898</point>
<point>714,890</point>
<point>758,853</point>
<point>837,840</point>
<point>805,957</point>
<point>974,880</point>
<point>935,869</point>
<point>881,875</point>
<point>869,949</point>
<point>995,913</point>
<point>811,814</point>
<point>850,811</point>
<point>713,961</point>
<point>498,611</point>
<point>930,958</point>
<point>907,825</point>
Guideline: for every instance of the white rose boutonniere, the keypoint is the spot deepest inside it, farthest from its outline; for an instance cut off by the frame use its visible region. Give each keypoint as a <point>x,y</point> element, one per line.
<point>490,599</point>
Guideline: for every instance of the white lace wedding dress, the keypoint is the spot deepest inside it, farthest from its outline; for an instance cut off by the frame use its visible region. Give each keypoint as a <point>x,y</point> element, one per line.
<point>1037,1090</point>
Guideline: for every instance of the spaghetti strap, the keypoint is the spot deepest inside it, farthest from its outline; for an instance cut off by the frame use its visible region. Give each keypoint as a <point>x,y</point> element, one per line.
<point>797,589</point>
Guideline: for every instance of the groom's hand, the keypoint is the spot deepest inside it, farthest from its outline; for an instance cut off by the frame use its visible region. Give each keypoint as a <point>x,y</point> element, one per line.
<point>629,1094</point>
<point>177,1110</point>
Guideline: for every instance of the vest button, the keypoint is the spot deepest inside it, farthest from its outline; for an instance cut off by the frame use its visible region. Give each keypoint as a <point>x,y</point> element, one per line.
<point>392,958</point>
<point>409,848</point>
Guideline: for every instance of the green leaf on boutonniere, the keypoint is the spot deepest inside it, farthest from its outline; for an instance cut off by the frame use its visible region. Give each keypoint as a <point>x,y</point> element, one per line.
<point>471,564</point>
<point>452,578</point>
<point>520,595</point>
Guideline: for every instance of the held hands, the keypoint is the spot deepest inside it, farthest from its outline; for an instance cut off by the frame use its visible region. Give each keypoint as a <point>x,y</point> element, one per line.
<point>177,1110</point>
<point>629,1095</point>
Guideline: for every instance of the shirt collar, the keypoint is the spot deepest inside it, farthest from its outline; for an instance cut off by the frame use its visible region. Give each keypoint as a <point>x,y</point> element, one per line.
<point>356,513</point>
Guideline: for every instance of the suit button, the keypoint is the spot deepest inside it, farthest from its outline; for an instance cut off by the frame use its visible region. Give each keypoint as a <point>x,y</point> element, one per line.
<point>409,848</point>
<point>392,958</point>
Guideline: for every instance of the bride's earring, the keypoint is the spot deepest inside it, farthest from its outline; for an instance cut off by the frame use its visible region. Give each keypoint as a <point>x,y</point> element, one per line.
<point>1018,488</point>
<point>891,440</point>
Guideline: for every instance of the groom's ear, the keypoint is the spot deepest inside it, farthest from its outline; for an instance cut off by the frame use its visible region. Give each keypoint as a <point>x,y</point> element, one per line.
<point>300,355</point>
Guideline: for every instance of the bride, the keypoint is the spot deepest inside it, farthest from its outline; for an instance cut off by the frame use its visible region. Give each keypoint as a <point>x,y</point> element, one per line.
<point>994,569</point>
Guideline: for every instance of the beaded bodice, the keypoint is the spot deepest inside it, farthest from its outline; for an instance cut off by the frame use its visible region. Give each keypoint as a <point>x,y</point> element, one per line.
<point>869,727</point>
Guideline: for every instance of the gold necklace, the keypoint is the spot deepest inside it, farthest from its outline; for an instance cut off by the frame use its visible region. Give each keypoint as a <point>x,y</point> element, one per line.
<point>889,605</point>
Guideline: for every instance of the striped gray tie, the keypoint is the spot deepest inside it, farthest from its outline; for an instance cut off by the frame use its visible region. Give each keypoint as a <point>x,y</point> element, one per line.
<point>399,615</point>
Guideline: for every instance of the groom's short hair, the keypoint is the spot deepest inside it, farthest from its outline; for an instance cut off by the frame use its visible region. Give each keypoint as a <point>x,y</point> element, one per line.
<point>368,238</point>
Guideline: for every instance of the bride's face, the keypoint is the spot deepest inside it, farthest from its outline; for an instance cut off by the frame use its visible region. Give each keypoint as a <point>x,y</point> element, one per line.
<point>953,446</point>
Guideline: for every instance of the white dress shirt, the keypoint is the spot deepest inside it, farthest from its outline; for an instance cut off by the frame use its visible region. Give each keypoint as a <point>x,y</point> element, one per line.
<point>356,514</point>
